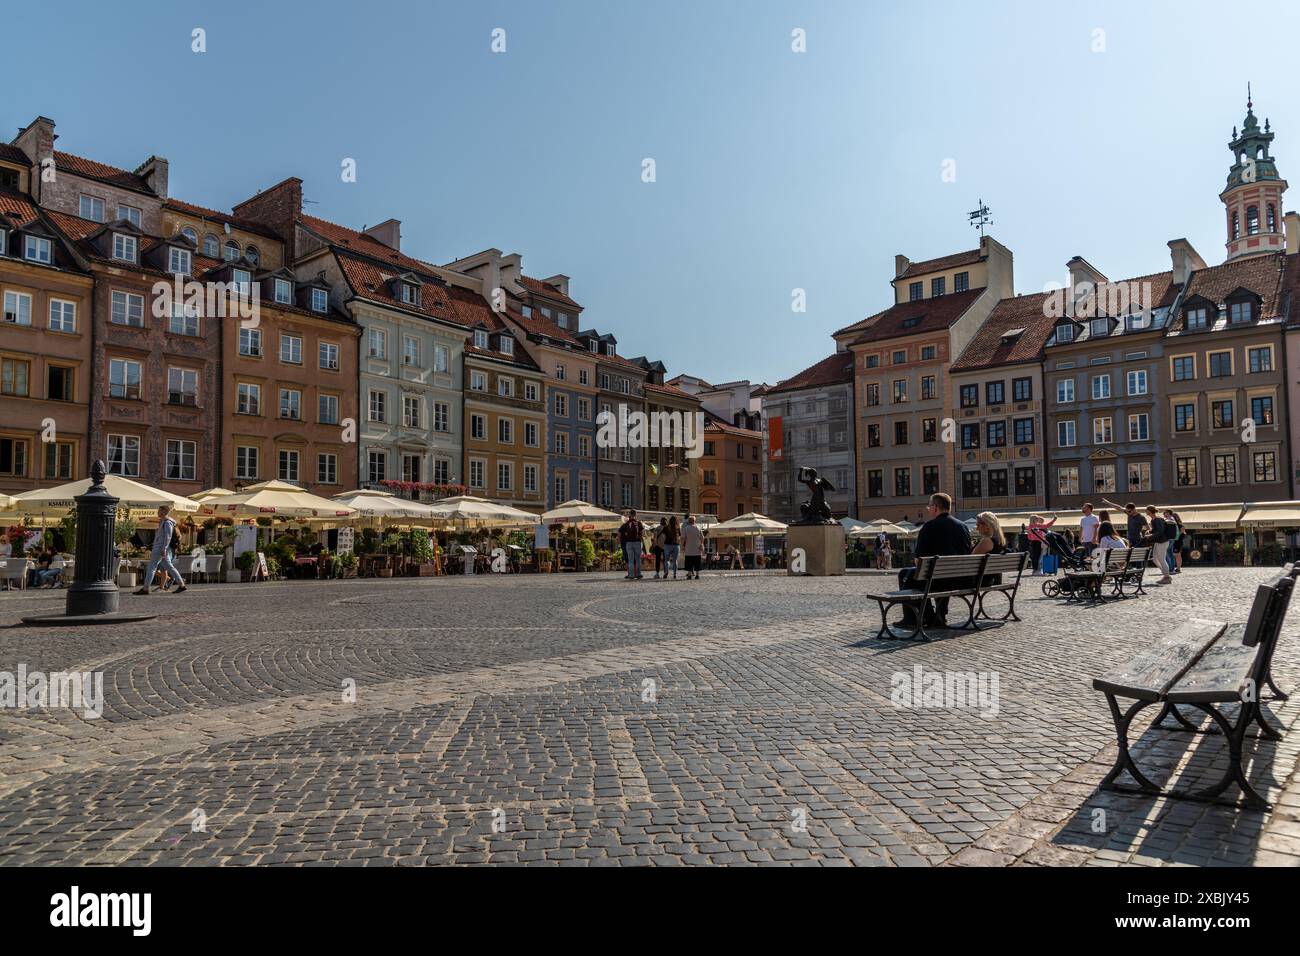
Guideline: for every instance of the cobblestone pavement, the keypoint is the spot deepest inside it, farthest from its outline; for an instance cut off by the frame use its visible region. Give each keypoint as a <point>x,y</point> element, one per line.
<point>584,719</point>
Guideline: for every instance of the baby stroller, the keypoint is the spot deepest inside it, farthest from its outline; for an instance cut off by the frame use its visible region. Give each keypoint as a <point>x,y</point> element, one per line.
<point>1067,559</point>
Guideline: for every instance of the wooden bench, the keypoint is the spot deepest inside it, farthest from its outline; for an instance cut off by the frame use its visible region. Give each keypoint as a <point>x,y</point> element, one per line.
<point>1201,664</point>
<point>952,576</point>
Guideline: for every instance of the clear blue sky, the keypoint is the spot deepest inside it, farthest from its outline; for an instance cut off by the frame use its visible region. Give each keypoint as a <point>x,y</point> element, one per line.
<point>775,170</point>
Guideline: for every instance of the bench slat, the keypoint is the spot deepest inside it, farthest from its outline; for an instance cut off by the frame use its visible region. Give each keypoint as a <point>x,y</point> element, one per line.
<point>1149,675</point>
<point>1221,673</point>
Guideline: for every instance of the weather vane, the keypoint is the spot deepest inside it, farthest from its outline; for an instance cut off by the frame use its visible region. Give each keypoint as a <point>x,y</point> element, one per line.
<point>980,217</point>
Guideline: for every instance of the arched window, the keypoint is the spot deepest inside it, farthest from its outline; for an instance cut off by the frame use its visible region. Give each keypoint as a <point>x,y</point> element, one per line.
<point>232,250</point>
<point>211,246</point>
<point>1252,220</point>
<point>1272,218</point>
<point>191,235</point>
<point>253,256</point>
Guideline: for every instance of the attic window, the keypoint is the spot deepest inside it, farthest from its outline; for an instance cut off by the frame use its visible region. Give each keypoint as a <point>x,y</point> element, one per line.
<point>211,246</point>
<point>1011,335</point>
<point>480,339</point>
<point>37,250</point>
<point>1197,318</point>
<point>1099,328</point>
<point>4,241</point>
<point>320,300</point>
<point>594,346</point>
<point>506,344</point>
<point>231,250</point>
<point>609,349</point>
<point>909,323</point>
<point>92,207</point>
<point>1241,311</point>
<point>178,261</point>
<point>253,256</point>
<point>124,247</point>
<point>1065,333</point>
<point>1136,321</point>
<point>283,291</point>
<point>410,293</point>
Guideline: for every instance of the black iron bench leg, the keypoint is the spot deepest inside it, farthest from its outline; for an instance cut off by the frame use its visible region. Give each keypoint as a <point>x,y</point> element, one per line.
<point>1278,694</point>
<point>1124,759</point>
<point>886,631</point>
<point>1010,594</point>
<point>1171,710</point>
<point>1266,730</point>
<point>1235,773</point>
<point>971,602</point>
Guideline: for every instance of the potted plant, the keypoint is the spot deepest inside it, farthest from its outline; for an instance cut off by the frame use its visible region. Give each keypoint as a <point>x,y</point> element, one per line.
<point>544,557</point>
<point>422,551</point>
<point>244,565</point>
<point>586,554</point>
<point>347,565</point>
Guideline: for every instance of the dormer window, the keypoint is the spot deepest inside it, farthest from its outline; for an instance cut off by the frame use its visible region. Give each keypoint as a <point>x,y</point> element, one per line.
<point>410,294</point>
<point>178,261</point>
<point>37,249</point>
<point>124,247</point>
<point>1241,312</point>
<point>528,311</point>
<point>609,349</point>
<point>320,300</point>
<point>1064,333</point>
<point>231,251</point>
<point>507,345</point>
<point>1197,318</point>
<point>242,279</point>
<point>562,319</point>
<point>1099,328</point>
<point>1136,321</point>
<point>4,242</point>
<point>594,346</point>
<point>283,291</point>
<point>480,339</point>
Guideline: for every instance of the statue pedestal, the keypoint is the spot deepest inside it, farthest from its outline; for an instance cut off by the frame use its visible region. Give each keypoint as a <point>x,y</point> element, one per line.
<point>822,546</point>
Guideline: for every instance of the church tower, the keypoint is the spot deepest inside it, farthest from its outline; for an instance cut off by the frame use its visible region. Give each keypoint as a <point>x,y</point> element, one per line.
<point>1253,196</point>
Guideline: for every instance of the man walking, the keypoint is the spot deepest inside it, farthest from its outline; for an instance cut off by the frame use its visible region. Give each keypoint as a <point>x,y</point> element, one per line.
<point>629,535</point>
<point>1137,525</point>
<point>1158,539</point>
<point>941,534</point>
<point>161,556</point>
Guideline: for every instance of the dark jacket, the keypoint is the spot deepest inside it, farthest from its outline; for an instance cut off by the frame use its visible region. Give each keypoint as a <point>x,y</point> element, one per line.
<point>942,535</point>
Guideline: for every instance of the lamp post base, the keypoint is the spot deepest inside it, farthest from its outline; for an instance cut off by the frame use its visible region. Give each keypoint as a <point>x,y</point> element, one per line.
<point>58,620</point>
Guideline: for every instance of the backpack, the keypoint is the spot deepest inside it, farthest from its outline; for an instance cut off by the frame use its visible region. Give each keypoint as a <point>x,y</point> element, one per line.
<point>1171,530</point>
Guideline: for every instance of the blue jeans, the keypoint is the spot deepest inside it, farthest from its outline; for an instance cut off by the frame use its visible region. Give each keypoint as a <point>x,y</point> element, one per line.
<point>634,559</point>
<point>164,561</point>
<point>670,558</point>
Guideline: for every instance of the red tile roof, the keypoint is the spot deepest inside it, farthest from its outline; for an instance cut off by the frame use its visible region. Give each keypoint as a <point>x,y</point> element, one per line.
<point>100,171</point>
<point>473,310</point>
<point>714,424</point>
<point>669,390</point>
<point>358,242</point>
<point>546,289</point>
<point>370,281</point>
<point>12,154</point>
<point>17,209</point>
<point>930,315</point>
<point>833,370</point>
<point>941,264</point>
<point>1029,313</point>
<point>538,326</point>
<point>1262,275</point>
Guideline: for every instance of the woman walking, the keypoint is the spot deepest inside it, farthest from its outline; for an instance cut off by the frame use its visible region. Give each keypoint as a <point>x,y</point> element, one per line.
<point>1037,535</point>
<point>692,547</point>
<point>657,546</point>
<point>672,542</point>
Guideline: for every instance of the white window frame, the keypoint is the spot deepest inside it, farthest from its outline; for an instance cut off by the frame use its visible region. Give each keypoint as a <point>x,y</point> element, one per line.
<point>66,321</point>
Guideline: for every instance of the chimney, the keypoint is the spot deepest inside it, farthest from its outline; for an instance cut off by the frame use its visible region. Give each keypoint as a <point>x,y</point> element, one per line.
<point>388,232</point>
<point>1084,279</point>
<point>1185,260</point>
<point>1291,223</point>
<point>900,265</point>
<point>154,172</point>
<point>277,208</point>
<point>512,267</point>
<point>36,140</point>
<point>560,282</point>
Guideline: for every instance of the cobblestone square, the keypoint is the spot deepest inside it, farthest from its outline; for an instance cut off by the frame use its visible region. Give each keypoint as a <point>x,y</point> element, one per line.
<point>582,719</point>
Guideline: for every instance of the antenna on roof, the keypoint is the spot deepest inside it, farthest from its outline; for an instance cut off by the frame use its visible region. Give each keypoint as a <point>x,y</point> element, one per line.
<point>980,217</point>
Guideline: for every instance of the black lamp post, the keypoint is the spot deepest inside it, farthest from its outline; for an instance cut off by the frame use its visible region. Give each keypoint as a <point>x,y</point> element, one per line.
<point>92,598</point>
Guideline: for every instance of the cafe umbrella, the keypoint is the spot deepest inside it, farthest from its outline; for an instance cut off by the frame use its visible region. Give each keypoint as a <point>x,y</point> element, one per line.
<point>584,516</point>
<point>750,525</point>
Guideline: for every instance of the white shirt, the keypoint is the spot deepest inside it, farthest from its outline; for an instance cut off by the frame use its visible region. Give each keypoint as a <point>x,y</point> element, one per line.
<point>1088,528</point>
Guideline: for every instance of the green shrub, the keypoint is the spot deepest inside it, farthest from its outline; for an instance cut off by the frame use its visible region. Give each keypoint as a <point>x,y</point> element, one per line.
<point>586,553</point>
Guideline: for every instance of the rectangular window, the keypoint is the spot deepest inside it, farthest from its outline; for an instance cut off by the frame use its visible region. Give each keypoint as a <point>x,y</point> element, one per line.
<point>411,350</point>
<point>178,261</point>
<point>58,460</point>
<point>124,247</point>
<point>1103,479</point>
<point>506,431</point>
<point>971,484</point>
<point>584,409</point>
<point>995,393</point>
<point>282,291</point>
<point>1225,469</point>
<point>441,417</point>
<point>441,359</point>
<point>442,471</point>
<point>1065,391</point>
<point>248,398</point>
<point>937,285</point>
<point>327,468</point>
<point>13,457</point>
<point>530,479</point>
<point>288,470</point>
<point>1067,480</point>
<point>1137,381</point>
<point>92,208</point>
<point>900,433</point>
<point>377,344</point>
<point>1265,465</point>
<point>291,404</point>
<point>873,393</point>
<point>327,409</point>
<point>1220,364</point>
<point>900,390</point>
<point>929,353</point>
<point>998,483</point>
<point>1026,482</point>
<point>506,387</point>
<point>1261,359</point>
<point>1221,414</point>
<point>1065,434</point>
<point>1065,333</point>
<point>411,467</point>
<point>246,462</point>
<point>970,396</point>
<point>961,282</point>
<point>930,479</point>
<point>15,377</point>
<point>1183,367</point>
<point>1185,472</point>
<point>506,477</point>
<point>875,483</point>
<point>915,290</point>
<point>1100,387</point>
<point>530,391</point>
<point>478,427</point>
<point>929,431</point>
<point>1261,410</point>
<point>291,349</point>
<point>562,491</point>
<point>1022,389</point>
<point>250,342</point>
<point>970,435</point>
<point>184,320</point>
<point>995,434</point>
<point>320,300</point>
<point>124,455</point>
<point>131,214</point>
<point>377,467</point>
<point>182,386</point>
<point>1102,430</point>
<point>328,356</point>
<point>562,406</point>
<point>902,482</point>
<point>127,309</point>
<point>899,357</point>
<point>36,249</point>
<point>123,378</point>
<point>478,381</point>
<point>531,435</point>
<point>1139,427</point>
<point>18,308</point>
<point>1024,431</point>
<point>1139,476</point>
<point>1185,417</point>
<point>410,411</point>
<point>378,405</point>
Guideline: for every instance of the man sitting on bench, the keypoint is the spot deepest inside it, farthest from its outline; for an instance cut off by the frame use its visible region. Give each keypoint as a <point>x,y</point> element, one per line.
<point>942,534</point>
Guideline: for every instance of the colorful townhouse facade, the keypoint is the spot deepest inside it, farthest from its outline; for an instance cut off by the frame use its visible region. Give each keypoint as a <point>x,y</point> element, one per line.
<point>621,383</point>
<point>809,420</point>
<point>730,469</point>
